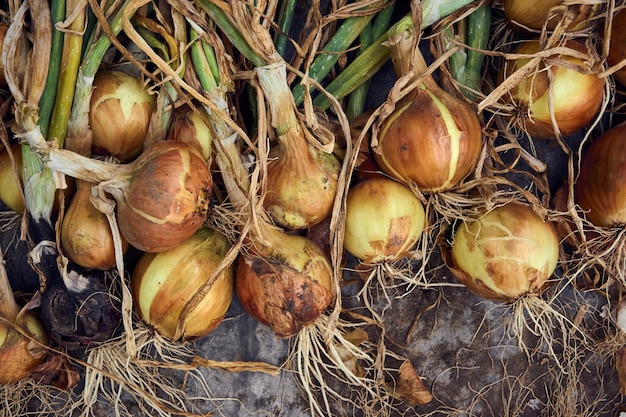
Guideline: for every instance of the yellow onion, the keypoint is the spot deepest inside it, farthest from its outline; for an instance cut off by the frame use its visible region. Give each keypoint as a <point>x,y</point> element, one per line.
<point>119,114</point>
<point>617,47</point>
<point>384,220</point>
<point>432,139</point>
<point>574,97</point>
<point>163,284</point>
<point>165,198</point>
<point>10,184</point>
<point>600,188</point>
<point>508,252</point>
<point>535,14</point>
<point>289,289</point>
<point>191,127</point>
<point>86,235</point>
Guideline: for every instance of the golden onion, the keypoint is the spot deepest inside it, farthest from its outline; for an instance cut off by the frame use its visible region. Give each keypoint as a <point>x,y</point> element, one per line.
<point>573,96</point>
<point>10,179</point>
<point>508,252</point>
<point>534,14</point>
<point>600,188</point>
<point>384,220</point>
<point>617,47</point>
<point>163,283</point>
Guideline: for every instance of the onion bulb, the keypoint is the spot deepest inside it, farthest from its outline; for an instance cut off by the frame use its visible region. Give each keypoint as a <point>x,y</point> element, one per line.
<point>163,284</point>
<point>573,96</point>
<point>286,286</point>
<point>86,236</point>
<point>3,32</point>
<point>191,126</point>
<point>508,252</point>
<point>617,47</point>
<point>432,139</point>
<point>384,220</point>
<point>534,14</point>
<point>10,183</point>
<point>119,114</point>
<point>600,189</point>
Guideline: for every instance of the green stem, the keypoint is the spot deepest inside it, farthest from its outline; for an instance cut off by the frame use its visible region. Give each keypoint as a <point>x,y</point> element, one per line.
<point>204,62</point>
<point>286,16</point>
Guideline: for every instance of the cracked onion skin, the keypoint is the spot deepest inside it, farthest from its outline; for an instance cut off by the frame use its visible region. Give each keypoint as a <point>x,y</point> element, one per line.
<point>506,253</point>
<point>167,197</point>
<point>432,139</point>
<point>600,188</point>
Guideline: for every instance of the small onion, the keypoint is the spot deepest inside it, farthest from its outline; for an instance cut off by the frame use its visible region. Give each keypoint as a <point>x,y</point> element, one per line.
<point>534,14</point>
<point>384,220</point>
<point>506,253</point>
<point>119,114</point>
<point>86,235</point>
<point>165,198</point>
<point>163,283</point>
<point>10,184</point>
<point>191,127</point>
<point>288,290</point>
<point>617,47</point>
<point>18,354</point>
<point>574,97</point>
<point>600,189</point>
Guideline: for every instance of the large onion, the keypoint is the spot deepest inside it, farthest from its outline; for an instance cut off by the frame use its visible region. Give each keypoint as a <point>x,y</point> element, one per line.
<point>384,220</point>
<point>573,96</point>
<point>508,252</point>
<point>163,283</point>
<point>617,47</point>
<point>600,189</point>
<point>534,14</point>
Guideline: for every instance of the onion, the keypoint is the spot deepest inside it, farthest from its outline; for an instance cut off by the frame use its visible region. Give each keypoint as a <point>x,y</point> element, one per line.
<point>534,14</point>
<point>286,285</point>
<point>384,220</point>
<point>432,139</point>
<point>3,32</point>
<point>574,97</point>
<point>506,253</point>
<point>10,179</point>
<point>86,236</point>
<point>600,189</point>
<point>617,46</point>
<point>119,114</point>
<point>163,284</point>
<point>191,126</point>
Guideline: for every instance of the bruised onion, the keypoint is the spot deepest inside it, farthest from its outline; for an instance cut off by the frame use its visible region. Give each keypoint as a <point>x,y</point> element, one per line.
<point>286,285</point>
<point>10,179</point>
<point>384,220</point>
<point>506,253</point>
<point>119,114</point>
<point>86,235</point>
<point>600,189</point>
<point>573,96</point>
<point>617,45</point>
<point>432,139</point>
<point>163,284</point>
<point>534,14</point>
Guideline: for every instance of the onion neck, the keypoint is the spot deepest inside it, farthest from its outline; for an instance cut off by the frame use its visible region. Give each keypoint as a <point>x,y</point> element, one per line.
<point>273,81</point>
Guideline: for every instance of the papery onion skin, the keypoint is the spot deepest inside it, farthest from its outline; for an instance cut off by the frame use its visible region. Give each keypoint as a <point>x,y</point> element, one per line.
<point>576,97</point>
<point>119,114</point>
<point>532,15</point>
<point>617,47</point>
<point>18,354</point>
<point>10,188</point>
<point>167,199</point>
<point>384,220</point>
<point>600,188</point>
<point>163,283</point>
<point>86,235</point>
<point>432,139</point>
<point>286,293</point>
<point>505,254</point>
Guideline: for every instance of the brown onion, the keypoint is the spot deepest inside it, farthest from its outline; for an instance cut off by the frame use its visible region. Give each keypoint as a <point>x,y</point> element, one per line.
<point>163,283</point>
<point>86,236</point>
<point>119,114</point>
<point>617,47</point>
<point>600,189</point>
<point>534,14</point>
<point>384,220</point>
<point>10,179</point>
<point>574,97</point>
<point>506,253</point>
<point>289,289</point>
